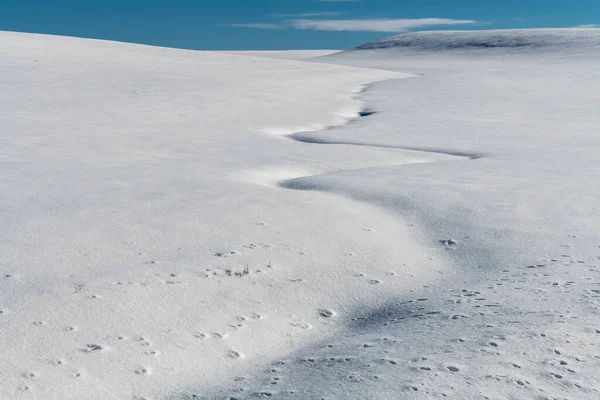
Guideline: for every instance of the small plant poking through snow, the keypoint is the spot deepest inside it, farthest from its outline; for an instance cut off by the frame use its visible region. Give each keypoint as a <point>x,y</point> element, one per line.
<point>239,274</point>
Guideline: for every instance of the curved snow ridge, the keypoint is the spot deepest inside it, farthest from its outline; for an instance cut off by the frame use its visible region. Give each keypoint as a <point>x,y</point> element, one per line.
<point>376,156</point>
<point>345,158</point>
<point>357,155</point>
<point>306,138</point>
<point>298,180</point>
<point>350,112</point>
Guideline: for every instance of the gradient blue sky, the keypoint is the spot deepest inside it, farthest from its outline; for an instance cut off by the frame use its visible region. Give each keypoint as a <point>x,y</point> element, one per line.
<point>282,24</point>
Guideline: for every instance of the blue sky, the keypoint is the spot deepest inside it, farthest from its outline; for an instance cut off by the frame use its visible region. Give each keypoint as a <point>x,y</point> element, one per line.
<point>281,24</point>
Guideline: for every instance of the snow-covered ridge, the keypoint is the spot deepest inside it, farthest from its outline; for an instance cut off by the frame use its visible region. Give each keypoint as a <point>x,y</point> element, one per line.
<point>523,39</point>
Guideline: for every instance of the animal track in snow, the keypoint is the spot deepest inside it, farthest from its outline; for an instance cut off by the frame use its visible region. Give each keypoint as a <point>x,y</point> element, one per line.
<point>89,348</point>
<point>234,354</point>
<point>142,371</point>
<point>142,341</point>
<point>257,316</point>
<point>29,375</point>
<point>301,325</point>
<point>153,353</point>
<point>488,325</point>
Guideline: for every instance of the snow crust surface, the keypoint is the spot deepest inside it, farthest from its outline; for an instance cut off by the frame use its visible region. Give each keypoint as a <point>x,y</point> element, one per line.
<point>370,224</point>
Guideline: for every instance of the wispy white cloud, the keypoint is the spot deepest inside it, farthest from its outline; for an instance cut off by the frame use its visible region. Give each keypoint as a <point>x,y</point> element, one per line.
<point>359,25</point>
<point>374,25</point>
<point>588,26</point>
<point>258,26</point>
<point>309,14</point>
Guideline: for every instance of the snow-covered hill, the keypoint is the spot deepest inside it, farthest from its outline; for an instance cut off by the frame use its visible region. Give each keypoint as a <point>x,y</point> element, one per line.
<point>531,41</point>
<point>369,224</point>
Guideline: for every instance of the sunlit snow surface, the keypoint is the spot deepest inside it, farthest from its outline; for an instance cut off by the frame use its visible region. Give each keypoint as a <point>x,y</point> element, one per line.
<point>179,225</point>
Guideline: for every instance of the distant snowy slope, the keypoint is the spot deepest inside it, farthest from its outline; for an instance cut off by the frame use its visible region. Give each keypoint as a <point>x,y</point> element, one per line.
<point>539,40</point>
<point>298,55</point>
